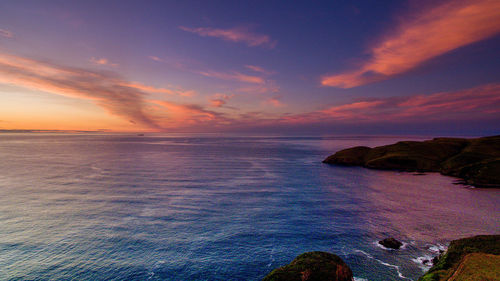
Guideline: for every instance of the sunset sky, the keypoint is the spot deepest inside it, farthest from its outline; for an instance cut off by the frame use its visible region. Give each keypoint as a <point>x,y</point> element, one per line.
<point>251,66</point>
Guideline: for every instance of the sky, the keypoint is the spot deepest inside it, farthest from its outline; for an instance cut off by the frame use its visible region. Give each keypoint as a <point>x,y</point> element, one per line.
<point>301,67</point>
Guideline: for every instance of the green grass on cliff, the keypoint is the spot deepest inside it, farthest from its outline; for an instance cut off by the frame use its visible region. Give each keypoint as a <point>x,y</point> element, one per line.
<point>455,261</point>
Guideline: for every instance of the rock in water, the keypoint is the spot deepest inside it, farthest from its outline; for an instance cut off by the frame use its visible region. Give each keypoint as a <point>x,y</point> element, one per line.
<point>313,266</point>
<point>391,243</point>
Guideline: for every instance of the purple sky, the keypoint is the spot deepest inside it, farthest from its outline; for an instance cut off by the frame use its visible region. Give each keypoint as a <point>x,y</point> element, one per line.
<point>331,67</point>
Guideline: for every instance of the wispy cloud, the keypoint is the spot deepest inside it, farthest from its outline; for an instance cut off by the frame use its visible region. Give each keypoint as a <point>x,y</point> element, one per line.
<point>102,61</point>
<point>234,76</point>
<point>177,115</point>
<point>474,103</point>
<point>151,89</point>
<point>6,33</point>
<point>155,58</point>
<point>274,101</point>
<point>236,34</point>
<point>259,69</point>
<point>429,34</point>
<point>108,90</point>
<point>219,100</point>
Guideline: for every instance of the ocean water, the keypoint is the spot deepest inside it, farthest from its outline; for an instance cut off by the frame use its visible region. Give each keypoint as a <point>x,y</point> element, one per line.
<point>212,207</point>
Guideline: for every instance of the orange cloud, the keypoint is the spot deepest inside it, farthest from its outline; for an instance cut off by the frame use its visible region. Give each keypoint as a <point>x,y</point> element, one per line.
<point>150,89</point>
<point>102,61</point>
<point>274,101</point>
<point>237,34</point>
<point>6,33</point>
<point>355,109</point>
<point>430,34</point>
<point>219,100</point>
<point>234,76</point>
<point>119,97</point>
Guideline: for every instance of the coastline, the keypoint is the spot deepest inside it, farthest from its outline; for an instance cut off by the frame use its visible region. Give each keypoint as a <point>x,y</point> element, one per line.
<point>473,258</point>
<point>475,161</point>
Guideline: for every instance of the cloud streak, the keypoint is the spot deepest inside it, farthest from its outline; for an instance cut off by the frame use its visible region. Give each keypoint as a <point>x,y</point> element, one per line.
<point>233,76</point>
<point>109,91</point>
<point>236,34</point>
<point>431,33</point>
<point>6,33</point>
<point>474,103</point>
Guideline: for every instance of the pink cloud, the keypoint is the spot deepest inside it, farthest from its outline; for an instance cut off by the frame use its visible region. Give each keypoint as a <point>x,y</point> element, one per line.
<point>274,101</point>
<point>429,34</point>
<point>259,69</point>
<point>6,33</point>
<point>237,34</point>
<point>102,61</point>
<point>234,76</point>
<point>474,103</point>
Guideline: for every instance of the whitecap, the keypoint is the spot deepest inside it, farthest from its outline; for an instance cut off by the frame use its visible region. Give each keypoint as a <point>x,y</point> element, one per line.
<point>397,268</point>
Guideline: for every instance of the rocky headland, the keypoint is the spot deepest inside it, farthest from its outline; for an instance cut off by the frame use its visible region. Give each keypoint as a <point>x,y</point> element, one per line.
<point>475,161</point>
<point>313,266</point>
<point>470,259</point>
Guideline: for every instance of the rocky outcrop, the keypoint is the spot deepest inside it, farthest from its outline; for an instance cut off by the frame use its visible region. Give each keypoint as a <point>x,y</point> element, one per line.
<point>476,161</point>
<point>472,259</point>
<point>313,266</point>
<point>390,243</point>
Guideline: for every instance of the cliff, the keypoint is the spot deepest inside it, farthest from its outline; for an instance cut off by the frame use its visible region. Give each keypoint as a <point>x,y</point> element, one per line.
<point>476,161</point>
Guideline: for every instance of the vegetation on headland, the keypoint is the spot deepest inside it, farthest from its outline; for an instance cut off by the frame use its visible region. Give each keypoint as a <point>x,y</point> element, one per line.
<point>475,258</point>
<point>476,161</point>
<point>312,266</point>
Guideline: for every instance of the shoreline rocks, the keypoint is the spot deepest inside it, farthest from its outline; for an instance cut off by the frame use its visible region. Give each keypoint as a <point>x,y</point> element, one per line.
<point>468,259</point>
<point>475,161</point>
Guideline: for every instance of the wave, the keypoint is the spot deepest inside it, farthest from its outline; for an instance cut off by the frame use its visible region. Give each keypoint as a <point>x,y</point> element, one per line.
<point>384,263</point>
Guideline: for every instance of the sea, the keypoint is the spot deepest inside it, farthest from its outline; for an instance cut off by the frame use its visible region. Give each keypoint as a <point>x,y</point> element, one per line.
<point>96,206</point>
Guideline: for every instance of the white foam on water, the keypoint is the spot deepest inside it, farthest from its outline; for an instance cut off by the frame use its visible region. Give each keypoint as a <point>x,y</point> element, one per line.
<point>360,279</point>
<point>384,263</point>
<point>437,248</point>
<point>420,262</point>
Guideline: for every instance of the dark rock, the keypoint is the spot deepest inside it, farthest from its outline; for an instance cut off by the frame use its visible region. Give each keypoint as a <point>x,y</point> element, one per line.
<point>391,243</point>
<point>312,266</point>
<point>475,161</point>
<point>435,260</point>
<point>425,261</point>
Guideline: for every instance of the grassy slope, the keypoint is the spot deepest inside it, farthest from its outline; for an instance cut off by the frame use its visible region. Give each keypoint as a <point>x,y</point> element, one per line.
<point>457,263</point>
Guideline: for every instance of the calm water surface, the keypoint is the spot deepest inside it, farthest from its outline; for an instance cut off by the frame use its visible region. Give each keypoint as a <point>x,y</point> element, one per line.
<point>125,207</point>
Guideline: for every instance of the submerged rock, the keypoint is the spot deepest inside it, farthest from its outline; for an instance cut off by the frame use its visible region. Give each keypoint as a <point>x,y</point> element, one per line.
<point>476,161</point>
<point>313,266</point>
<point>391,243</point>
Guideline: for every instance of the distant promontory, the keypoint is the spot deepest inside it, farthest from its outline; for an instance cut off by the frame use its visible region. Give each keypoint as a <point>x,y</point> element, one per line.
<point>475,161</point>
